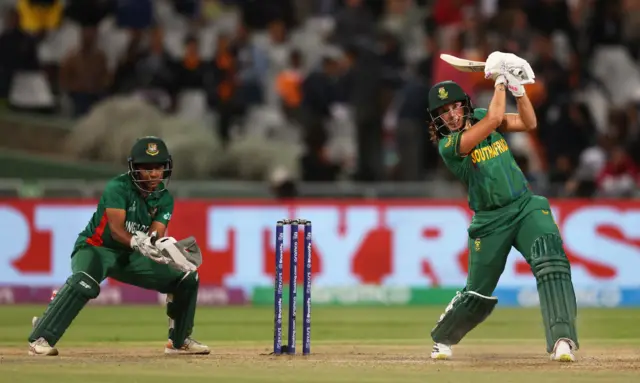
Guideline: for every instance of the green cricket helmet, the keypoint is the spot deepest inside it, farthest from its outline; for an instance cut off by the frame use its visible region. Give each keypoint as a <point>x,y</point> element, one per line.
<point>147,151</point>
<point>444,93</point>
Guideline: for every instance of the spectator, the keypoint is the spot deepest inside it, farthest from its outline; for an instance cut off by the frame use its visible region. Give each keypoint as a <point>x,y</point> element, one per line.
<point>19,52</point>
<point>578,49</point>
<point>126,75</point>
<point>316,165</point>
<point>190,71</point>
<point>561,174</point>
<point>258,14</point>
<point>366,96</point>
<point>223,94</point>
<point>282,185</point>
<point>39,16</point>
<point>84,75</point>
<point>549,16</point>
<point>147,70</point>
<point>187,8</point>
<point>289,86</point>
<point>583,182</point>
<point>548,69</point>
<point>619,178</point>
<point>88,13</point>
<point>319,90</point>
<point>567,132</point>
<point>277,48</point>
<point>606,24</point>
<point>134,14</point>
<point>155,70</point>
<point>424,68</point>
<point>353,23</point>
<point>392,60</point>
<point>414,149</point>
<point>252,66</point>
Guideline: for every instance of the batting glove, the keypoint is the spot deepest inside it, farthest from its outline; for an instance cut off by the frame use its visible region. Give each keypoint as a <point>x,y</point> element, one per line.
<point>514,85</point>
<point>495,65</point>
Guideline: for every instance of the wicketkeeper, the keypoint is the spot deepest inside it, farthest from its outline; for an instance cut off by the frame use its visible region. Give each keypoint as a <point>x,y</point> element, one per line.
<point>125,240</point>
<point>506,212</point>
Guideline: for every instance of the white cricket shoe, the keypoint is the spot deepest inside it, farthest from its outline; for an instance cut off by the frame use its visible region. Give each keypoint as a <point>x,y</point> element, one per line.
<point>441,352</point>
<point>563,351</point>
<point>190,347</point>
<point>42,347</point>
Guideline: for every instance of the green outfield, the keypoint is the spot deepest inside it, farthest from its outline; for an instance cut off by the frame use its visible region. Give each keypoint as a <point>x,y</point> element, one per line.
<point>368,344</point>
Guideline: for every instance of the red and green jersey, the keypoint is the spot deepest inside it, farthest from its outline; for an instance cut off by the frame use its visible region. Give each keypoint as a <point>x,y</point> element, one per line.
<point>122,193</point>
<point>493,179</point>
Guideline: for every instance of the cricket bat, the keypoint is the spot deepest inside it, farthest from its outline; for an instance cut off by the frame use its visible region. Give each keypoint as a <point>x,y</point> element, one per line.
<point>463,65</point>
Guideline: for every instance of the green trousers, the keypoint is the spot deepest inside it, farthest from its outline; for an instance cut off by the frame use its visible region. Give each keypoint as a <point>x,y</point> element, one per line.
<point>92,265</point>
<point>527,225</point>
<point>488,255</point>
<point>131,268</point>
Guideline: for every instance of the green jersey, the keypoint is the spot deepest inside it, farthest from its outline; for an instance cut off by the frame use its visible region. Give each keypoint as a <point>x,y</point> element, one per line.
<point>495,183</point>
<point>122,193</point>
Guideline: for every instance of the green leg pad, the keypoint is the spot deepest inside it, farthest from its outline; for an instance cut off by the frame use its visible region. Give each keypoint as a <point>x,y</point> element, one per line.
<point>181,309</point>
<point>467,310</point>
<point>71,298</point>
<point>552,270</point>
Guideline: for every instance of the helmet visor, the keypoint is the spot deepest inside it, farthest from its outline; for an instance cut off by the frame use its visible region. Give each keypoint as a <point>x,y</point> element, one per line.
<point>451,118</point>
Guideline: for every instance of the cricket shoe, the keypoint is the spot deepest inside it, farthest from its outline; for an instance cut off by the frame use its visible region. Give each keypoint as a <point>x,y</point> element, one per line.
<point>441,352</point>
<point>42,347</point>
<point>563,351</point>
<point>189,347</point>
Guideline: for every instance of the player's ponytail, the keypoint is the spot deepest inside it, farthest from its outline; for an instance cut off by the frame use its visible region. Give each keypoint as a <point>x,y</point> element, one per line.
<point>434,136</point>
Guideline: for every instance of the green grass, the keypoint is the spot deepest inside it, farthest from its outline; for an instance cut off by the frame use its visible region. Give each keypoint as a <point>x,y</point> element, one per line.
<point>365,344</point>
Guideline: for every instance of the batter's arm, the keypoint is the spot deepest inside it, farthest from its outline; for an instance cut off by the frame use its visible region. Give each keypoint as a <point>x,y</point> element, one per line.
<point>522,121</point>
<point>115,220</point>
<point>483,128</point>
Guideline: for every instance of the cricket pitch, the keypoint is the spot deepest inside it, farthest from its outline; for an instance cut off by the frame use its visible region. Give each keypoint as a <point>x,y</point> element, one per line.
<point>375,344</point>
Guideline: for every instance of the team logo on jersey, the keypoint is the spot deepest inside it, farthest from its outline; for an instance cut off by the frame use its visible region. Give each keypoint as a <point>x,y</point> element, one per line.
<point>442,93</point>
<point>152,149</point>
<point>153,211</point>
<point>476,244</point>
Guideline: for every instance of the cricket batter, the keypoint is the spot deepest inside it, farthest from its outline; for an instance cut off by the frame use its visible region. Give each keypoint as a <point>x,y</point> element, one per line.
<point>506,213</point>
<point>116,243</point>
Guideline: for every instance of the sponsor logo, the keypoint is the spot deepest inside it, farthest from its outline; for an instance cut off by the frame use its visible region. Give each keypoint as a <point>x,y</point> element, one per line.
<point>386,243</point>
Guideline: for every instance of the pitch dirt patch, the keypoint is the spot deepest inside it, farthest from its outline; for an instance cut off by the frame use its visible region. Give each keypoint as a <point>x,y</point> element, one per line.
<point>478,357</point>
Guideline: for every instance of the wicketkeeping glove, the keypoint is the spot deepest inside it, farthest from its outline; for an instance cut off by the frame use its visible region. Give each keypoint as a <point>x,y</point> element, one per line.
<point>183,255</point>
<point>143,243</point>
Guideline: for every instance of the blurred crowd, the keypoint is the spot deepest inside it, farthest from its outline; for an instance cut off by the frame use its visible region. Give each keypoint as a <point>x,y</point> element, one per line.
<point>345,80</point>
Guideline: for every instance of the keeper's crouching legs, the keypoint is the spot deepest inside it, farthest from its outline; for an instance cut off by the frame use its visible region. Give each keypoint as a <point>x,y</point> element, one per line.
<point>181,310</point>
<point>552,271</point>
<point>79,288</point>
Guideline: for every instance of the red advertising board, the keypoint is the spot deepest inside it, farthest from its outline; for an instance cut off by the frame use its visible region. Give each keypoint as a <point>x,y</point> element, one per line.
<point>403,242</point>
